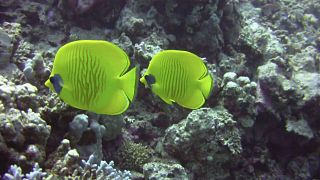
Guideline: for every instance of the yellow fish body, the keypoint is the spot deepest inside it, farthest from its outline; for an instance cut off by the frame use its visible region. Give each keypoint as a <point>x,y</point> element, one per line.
<point>93,75</point>
<point>179,76</point>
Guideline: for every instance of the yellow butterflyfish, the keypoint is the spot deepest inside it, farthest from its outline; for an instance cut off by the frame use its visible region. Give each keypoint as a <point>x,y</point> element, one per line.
<point>93,75</point>
<point>179,76</point>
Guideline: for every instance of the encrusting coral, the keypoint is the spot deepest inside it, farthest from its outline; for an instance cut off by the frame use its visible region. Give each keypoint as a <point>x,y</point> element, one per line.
<point>133,156</point>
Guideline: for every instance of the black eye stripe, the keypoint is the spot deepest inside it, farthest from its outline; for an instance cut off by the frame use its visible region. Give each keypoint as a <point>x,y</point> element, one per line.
<point>52,79</point>
<point>56,82</point>
<point>150,79</point>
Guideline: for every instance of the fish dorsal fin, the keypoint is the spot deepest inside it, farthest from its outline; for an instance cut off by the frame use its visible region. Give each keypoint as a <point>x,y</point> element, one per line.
<point>194,64</point>
<point>118,103</point>
<point>99,52</point>
<point>194,101</point>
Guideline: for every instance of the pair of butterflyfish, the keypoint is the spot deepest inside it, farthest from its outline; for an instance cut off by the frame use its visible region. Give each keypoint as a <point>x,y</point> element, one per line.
<point>96,75</point>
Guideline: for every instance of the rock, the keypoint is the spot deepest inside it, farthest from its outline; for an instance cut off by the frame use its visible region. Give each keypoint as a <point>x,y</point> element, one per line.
<point>87,135</point>
<point>146,51</point>
<point>24,52</point>
<point>7,3</point>
<point>13,30</point>
<point>10,71</point>
<point>21,96</point>
<point>239,96</point>
<point>270,86</point>
<point>25,136</point>
<point>6,48</point>
<point>132,156</point>
<point>235,63</point>
<point>299,127</point>
<point>113,126</point>
<point>258,37</point>
<point>309,85</point>
<point>78,125</point>
<point>77,6</point>
<point>124,43</point>
<point>229,76</point>
<point>77,33</point>
<point>306,60</point>
<point>205,140</point>
<point>19,127</point>
<point>158,170</point>
<point>35,70</point>
<point>134,20</point>
<point>88,132</point>
<point>179,138</point>
<point>301,89</point>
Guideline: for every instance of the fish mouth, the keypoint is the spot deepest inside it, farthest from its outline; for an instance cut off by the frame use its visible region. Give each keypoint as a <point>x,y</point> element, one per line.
<point>144,82</point>
<point>48,84</point>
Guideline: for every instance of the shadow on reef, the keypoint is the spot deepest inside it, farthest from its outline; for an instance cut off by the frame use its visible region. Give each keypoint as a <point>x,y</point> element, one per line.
<point>270,152</point>
<point>59,122</point>
<point>92,13</point>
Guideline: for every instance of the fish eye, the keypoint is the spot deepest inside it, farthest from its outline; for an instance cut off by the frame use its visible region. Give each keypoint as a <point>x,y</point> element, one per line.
<point>150,79</point>
<point>56,82</point>
<point>52,79</point>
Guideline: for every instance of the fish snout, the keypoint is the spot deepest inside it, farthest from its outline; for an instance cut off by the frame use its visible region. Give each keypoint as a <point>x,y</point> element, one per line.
<point>144,82</point>
<point>48,84</point>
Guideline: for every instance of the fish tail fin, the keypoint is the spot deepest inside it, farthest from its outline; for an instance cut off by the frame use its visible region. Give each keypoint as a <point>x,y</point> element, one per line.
<point>206,85</point>
<point>130,82</point>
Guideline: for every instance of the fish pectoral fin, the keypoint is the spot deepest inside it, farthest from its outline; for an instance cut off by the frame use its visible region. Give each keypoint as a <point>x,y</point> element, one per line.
<point>194,101</point>
<point>118,103</point>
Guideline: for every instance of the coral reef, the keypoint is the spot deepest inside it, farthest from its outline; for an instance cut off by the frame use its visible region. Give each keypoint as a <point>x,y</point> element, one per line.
<point>6,48</point>
<point>103,170</point>
<point>23,137</point>
<point>133,156</point>
<point>88,133</point>
<point>22,97</point>
<point>89,170</point>
<point>259,38</point>
<point>35,70</point>
<point>15,172</point>
<point>88,136</point>
<point>158,170</point>
<point>207,138</point>
<point>239,97</point>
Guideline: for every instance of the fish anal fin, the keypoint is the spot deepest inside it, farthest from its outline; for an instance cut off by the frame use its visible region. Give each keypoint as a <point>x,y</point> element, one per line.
<point>156,89</point>
<point>118,103</point>
<point>194,101</point>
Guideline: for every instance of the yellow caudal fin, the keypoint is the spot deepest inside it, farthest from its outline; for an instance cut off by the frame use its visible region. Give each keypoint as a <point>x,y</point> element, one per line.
<point>129,82</point>
<point>194,101</point>
<point>206,85</point>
